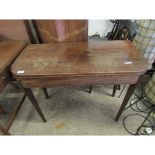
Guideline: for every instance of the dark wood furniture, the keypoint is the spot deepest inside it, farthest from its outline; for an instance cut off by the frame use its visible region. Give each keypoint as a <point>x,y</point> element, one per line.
<point>122,30</point>
<point>49,31</point>
<point>15,30</point>
<point>79,64</point>
<point>9,50</point>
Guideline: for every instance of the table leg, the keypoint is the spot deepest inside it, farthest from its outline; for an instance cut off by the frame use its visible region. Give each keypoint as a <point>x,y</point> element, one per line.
<point>2,110</point>
<point>4,131</point>
<point>114,90</point>
<point>125,101</point>
<point>33,100</point>
<point>45,92</point>
<point>14,112</point>
<point>90,89</point>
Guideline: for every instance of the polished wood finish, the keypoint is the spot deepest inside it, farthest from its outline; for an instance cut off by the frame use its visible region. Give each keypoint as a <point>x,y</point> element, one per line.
<point>9,50</point>
<point>14,30</point>
<point>79,64</point>
<point>61,30</point>
<point>34,102</point>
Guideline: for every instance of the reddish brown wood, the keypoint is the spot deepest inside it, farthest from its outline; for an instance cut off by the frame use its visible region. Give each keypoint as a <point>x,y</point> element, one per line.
<point>83,80</point>
<point>9,50</point>
<point>79,64</point>
<point>14,30</point>
<point>92,60</point>
<point>61,30</point>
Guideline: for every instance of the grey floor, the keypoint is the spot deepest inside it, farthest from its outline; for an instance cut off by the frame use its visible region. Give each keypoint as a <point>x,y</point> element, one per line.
<point>69,111</point>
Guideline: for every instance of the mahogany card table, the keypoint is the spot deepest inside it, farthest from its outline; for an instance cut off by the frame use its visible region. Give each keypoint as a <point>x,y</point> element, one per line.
<point>79,64</point>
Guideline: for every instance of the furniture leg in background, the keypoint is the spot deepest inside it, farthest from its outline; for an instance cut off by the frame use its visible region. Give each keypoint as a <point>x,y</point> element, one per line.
<point>2,110</point>
<point>114,90</point>
<point>90,89</point>
<point>45,92</point>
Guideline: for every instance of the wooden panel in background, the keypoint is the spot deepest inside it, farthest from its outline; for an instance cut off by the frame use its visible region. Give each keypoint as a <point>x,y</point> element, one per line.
<point>61,30</point>
<point>15,30</point>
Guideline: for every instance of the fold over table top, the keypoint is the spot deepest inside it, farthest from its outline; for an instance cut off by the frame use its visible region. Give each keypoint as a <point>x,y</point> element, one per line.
<point>91,58</point>
<point>9,50</point>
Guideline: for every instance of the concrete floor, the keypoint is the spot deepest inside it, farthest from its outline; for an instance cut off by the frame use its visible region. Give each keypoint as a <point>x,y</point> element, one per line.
<point>69,111</point>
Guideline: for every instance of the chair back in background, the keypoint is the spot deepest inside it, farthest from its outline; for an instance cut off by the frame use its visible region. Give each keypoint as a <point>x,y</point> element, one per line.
<point>61,30</point>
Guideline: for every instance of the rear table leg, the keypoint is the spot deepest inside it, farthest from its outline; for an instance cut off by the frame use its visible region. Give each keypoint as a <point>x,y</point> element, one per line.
<point>45,92</point>
<point>114,90</point>
<point>90,89</point>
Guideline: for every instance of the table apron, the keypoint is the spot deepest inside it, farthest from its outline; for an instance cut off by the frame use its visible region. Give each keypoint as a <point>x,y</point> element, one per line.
<point>78,81</point>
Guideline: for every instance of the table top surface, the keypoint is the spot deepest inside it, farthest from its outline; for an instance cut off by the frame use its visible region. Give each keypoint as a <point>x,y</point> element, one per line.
<point>79,58</point>
<point>9,51</point>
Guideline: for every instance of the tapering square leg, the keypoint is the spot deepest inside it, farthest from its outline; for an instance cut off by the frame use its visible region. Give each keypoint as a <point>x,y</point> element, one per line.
<point>125,101</point>
<point>34,102</point>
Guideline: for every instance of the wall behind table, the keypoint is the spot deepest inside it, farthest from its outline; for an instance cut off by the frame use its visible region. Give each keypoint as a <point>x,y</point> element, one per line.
<point>102,27</point>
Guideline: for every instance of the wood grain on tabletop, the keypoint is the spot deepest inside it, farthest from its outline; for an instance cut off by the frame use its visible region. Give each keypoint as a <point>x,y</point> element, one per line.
<point>9,50</point>
<point>80,58</point>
